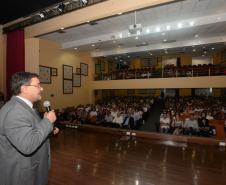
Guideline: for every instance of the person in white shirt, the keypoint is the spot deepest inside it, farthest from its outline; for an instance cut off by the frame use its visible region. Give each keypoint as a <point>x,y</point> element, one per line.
<point>164,123</point>
<point>118,120</point>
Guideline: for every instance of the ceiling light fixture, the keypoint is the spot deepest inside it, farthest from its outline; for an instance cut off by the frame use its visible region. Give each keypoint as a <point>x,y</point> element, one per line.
<point>191,23</point>
<point>157,29</point>
<point>179,25</point>
<point>196,35</point>
<point>84,2</point>
<point>61,7</point>
<point>168,27</point>
<point>41,14</point>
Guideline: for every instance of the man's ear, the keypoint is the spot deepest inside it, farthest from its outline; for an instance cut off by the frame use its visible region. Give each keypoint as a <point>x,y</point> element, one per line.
<point>23,89</point>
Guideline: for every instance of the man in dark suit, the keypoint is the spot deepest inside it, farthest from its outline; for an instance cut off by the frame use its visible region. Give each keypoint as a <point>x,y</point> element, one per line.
<point>24,144</point>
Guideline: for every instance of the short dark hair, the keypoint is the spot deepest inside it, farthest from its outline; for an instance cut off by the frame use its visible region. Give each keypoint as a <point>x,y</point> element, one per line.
<point>19,79</point>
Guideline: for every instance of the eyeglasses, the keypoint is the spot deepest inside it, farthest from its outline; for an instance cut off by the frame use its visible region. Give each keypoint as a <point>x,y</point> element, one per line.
<point>38,86</point>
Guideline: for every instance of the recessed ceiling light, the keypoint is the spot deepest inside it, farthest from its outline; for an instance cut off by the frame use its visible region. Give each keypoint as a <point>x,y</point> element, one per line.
<point>136,38</point>
<point>87,21</point>
<point>62,28</point>
<point>75,48</point>
<point>163,33</point>
<point>168,27</point>
<point>194,50</point>
<point>205,52</point>
<point>93,45</point>
<point>120,35</point>
<point>203,55</point>
<point>212,48</point>
<point>129,34</point>
<point>164,40</point>
<point>41,15</point>
<point>157,29</point>
<point>196,35</point>
<point>191,23</point>
<point>179,25</point>
<point>147,31</point>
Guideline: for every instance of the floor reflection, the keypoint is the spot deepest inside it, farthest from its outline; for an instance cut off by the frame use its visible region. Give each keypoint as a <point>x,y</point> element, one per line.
<point>81,157</point>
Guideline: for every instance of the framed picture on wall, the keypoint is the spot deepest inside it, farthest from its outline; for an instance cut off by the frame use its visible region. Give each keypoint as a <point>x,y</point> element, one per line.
<point>53,71</point>
<point>84,69</point>
<point>67,72</point>
<point>78,71</point>
<point>102,68</point>
<point>67,86</point>
<point>97,68</point>
<point>76,80</point>
<point>45,74</point>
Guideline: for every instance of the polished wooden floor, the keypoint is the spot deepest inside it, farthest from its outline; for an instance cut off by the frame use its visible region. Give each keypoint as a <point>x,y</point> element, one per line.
<point>87,158</point>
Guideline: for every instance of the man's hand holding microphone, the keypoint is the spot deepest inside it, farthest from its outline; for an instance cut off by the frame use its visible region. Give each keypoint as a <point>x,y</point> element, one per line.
<point>50,115</point>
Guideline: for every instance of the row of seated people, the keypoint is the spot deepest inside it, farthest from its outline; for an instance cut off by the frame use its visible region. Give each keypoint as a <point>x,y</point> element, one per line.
<point>120,112</point>
<point>167,71</point>
<point>194,125</point>
<point>191,115</point>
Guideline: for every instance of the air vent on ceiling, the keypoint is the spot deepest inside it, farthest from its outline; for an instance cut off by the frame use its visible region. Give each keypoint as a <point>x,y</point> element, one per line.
<point>143,44</point>
<point>169,41</point>
<point>92,23</point>
<point>61,31</point>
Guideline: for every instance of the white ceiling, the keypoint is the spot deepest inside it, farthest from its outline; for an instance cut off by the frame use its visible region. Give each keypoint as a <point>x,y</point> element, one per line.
<point>209,30</point>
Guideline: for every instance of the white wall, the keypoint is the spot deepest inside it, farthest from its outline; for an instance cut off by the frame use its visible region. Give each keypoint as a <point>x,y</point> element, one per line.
<point>202,60</point>
<point>169,61</point>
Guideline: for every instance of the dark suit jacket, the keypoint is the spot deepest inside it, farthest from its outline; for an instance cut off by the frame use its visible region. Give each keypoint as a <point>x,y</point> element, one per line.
<point>24,145</point>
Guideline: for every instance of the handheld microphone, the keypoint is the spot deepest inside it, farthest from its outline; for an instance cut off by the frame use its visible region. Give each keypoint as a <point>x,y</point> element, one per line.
<point>46,104</point>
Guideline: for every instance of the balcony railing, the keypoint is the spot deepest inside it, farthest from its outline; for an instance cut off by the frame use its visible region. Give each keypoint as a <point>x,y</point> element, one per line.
<point>166,72</point>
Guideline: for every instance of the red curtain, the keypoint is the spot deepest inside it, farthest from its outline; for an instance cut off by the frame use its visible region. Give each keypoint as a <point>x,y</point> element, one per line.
<point>15,56</point>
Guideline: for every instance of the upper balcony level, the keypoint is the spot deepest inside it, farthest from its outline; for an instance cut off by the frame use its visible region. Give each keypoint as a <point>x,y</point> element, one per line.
<point>187,76</point>
<point>167,72</point>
